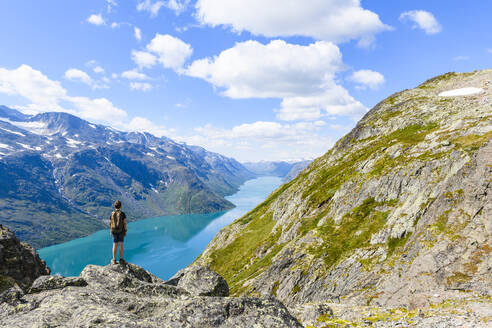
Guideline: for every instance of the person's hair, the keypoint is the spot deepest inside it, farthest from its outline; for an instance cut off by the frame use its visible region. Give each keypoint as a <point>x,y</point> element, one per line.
<point>117,204</point>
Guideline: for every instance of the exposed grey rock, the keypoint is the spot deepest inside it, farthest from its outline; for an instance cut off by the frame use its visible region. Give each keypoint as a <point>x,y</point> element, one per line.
<point>201,281</point>
<point>55,282</point>
<point>19,262</point>
<point>128,296</point>
<point>309,314</point>
<point>11,295</point>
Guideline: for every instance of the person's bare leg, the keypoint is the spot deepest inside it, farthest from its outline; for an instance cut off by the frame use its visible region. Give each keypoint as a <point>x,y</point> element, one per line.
<point>121,250</point>
<point>115,245</point>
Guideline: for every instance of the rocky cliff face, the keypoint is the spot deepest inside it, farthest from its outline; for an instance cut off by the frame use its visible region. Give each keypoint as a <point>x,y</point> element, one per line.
<point>19,263</point>
<point>398,213</point>
<point>128,296</point>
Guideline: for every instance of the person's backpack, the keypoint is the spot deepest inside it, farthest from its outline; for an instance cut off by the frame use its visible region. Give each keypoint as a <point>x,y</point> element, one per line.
<point>116,223</point>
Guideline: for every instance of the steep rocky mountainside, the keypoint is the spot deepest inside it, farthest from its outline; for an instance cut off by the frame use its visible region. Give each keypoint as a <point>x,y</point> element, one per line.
<point>398,213</point>
<point>60,175</point>
<point>128,296</point>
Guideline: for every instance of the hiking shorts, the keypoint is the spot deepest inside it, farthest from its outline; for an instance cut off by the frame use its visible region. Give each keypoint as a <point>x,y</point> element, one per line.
<point>118,237</point>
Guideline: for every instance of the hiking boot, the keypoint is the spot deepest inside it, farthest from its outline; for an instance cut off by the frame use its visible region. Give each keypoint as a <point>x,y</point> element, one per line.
<point>113,261</point>
<point>122,261</point>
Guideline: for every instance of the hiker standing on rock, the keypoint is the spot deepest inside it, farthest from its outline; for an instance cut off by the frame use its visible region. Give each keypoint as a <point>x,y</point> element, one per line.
<point>117,227</point>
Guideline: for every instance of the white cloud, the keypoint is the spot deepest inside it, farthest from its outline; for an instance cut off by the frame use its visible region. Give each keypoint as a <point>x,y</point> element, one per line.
<point>303,76</point>
<point>489,50</point>
<point>141,86</point>
<point>153,7</point>
<point>367,78</point>
<point>251,141</point>
<point>98,69</point>
<point>74,74</point>
<point>134,75</point>
<point>329,20</point>
<point>99,109</point>
<point>177,6</point>
<point>138,33</point>
<point>110,5</point>
<point>115,25</point>
<point>31,85</point>
<point>143,58</point>
<point>150,6</point>
<point>278,69</point>
<point>422,19</point>
<point>333,101</point>
<point>43,94</point>
<point>142,124</point>
<point>96,19</point>
<point>172,52</point>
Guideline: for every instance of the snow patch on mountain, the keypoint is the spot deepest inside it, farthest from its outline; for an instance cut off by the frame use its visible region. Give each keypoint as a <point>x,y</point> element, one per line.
<point>461,92</point>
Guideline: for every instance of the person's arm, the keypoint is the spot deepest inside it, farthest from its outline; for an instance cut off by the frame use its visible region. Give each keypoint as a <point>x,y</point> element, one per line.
<point>124,224</point>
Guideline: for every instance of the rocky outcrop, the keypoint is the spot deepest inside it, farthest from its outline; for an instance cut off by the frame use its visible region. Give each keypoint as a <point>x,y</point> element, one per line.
<point>397,214</point>
<point>19,263</point>
<point>201,281</point>
<point>126,295</point>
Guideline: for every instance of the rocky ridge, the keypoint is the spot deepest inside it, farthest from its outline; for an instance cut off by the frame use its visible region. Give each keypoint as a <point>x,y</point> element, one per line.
<point>125,295</point>
<point>397,215</point>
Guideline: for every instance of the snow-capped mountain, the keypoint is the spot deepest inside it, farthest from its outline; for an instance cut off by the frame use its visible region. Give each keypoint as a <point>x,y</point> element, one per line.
<point>60,174</point>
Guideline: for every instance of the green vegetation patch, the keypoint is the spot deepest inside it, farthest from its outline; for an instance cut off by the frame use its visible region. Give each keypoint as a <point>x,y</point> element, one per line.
<point>396,243</point>
<point>457,278</point>
<point>441,223</point>
<point>275,288</point>
<point>385,117</point>
<point>237,261</point>
<point>354,231</point>
<point>472,142</point>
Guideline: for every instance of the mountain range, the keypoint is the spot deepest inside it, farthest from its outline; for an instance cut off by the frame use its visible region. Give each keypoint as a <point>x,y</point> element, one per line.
<point>282,169</point>
<point>61,174</point>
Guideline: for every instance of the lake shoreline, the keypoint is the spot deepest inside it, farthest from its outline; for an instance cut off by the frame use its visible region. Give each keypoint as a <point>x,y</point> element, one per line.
<point>162,244</point>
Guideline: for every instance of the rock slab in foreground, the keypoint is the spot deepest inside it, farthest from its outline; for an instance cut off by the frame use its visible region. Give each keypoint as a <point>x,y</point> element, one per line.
<point>129,296</point>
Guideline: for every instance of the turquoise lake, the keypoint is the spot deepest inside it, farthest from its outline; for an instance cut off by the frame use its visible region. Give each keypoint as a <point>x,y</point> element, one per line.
<point>163,245</point>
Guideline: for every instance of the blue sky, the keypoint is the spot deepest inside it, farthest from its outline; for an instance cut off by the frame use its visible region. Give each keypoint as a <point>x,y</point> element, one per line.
<point>255,80</point>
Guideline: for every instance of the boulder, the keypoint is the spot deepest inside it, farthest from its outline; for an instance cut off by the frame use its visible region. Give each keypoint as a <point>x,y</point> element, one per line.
<point>201,281</point>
